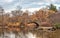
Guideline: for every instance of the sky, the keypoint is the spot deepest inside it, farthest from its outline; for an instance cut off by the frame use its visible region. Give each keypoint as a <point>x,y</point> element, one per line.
<point>30,5</point>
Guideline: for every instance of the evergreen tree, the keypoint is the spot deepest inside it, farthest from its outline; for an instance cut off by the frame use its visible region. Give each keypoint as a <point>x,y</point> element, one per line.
<point>52,7</point>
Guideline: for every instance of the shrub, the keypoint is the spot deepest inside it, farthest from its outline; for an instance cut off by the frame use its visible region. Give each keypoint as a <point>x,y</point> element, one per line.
<point>57,25</point>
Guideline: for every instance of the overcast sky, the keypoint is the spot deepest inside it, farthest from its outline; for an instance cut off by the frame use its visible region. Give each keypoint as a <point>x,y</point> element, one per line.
<point>9,5</point>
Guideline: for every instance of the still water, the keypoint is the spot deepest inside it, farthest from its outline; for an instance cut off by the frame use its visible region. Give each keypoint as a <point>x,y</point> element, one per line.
<point>19,35</point>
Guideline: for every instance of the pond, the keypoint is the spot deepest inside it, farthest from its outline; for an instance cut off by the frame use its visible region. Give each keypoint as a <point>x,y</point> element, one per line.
<point>19,35</point>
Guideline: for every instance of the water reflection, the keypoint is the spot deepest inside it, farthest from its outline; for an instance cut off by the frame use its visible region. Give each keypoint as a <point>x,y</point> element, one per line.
<point>30,35</point>
<point>18,35</point>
